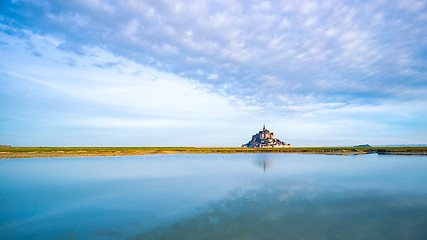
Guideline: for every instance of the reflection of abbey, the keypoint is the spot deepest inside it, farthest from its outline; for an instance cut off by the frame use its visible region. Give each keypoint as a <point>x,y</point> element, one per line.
<point>265,139</point>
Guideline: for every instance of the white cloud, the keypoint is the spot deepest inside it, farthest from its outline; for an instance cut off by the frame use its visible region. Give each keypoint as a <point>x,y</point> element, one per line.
<point>138,90</point>
<point>412,6</point>
<point>308,7</point>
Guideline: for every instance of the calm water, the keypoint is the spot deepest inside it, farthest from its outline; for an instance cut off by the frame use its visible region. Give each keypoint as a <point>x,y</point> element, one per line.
<point>239,196</point>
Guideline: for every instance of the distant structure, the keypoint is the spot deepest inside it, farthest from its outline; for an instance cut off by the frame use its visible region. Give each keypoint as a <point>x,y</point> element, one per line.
<point>265,139</point>
<point>364,145</point>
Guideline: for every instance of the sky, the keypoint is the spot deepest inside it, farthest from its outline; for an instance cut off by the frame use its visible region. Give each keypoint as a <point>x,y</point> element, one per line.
<point>211,73</point>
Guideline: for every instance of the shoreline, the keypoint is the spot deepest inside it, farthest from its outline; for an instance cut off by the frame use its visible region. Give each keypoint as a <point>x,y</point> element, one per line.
<point>45,152</point>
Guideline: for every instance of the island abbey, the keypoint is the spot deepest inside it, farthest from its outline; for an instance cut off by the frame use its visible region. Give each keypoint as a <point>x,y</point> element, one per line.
<point>265,139</point>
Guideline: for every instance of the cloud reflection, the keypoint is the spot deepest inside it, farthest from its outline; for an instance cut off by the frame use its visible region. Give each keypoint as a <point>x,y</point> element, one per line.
<point>307,214</point>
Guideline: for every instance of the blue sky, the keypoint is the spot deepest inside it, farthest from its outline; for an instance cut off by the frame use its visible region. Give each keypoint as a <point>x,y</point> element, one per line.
<point>210,73</point>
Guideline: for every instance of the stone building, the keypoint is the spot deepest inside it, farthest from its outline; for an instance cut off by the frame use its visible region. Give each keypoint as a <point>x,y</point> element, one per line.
<point>265,139</point>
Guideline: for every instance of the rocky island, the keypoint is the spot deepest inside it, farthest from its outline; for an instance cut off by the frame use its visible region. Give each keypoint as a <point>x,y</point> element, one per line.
<point>265,139</point>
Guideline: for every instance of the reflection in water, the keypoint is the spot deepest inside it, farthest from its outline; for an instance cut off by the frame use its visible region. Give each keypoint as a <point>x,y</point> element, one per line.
<point>264,161</point>
<point>215,197</point>
<point>283,213</point>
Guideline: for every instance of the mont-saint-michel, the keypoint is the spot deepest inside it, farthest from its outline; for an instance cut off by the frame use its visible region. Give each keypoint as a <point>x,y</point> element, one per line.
<point>265,139</point>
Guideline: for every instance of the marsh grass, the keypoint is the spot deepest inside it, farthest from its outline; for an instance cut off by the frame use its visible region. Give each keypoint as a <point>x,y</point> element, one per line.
<point>27,152</point>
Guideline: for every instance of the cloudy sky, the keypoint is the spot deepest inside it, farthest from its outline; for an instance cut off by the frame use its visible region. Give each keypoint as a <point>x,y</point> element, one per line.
<point>210,73</point>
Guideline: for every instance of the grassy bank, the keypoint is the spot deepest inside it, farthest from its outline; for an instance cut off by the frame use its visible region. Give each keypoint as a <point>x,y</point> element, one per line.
<point>30,152</point>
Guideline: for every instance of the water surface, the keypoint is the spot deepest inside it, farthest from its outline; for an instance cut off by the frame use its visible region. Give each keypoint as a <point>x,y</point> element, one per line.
<point>210,196</point>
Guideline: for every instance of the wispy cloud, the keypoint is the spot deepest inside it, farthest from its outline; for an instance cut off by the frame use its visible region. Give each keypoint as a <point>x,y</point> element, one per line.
<point>277,59</point>
<point>297,43</point>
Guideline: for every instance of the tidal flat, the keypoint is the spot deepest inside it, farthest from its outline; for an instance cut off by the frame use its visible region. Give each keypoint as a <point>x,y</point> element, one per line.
<point>37,152</point>
<point>215,196</point>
